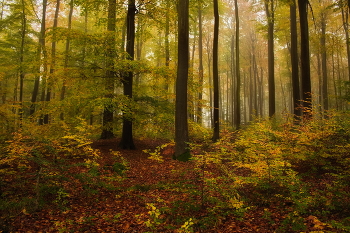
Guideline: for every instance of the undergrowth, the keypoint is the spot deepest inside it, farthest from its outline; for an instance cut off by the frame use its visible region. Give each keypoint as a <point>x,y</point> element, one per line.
<point>296,176</point>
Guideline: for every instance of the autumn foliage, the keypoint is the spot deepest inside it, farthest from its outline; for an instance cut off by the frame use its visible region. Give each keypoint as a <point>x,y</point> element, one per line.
<point>268,177</point>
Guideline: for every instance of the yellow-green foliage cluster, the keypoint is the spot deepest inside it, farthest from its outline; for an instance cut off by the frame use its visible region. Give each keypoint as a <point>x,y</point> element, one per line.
<point>267,161</point>
<point>40,145</point>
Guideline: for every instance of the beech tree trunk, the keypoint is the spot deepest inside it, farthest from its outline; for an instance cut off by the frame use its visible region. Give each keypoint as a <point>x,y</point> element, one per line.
<point>21,62</point>
<point>294,60</point>
<point>107,124</point>
<point>53,61</point>
<point>127,141</point>
<point>324,64</point>
<point>67,51</point>
<point>41,49</point>
<point>305,57</point>
<point>345,18</point>
<point>237,105</point>
<point>181,121</point>
<point>200,67</point>
<point>216,124</point>
<point>269,8</point>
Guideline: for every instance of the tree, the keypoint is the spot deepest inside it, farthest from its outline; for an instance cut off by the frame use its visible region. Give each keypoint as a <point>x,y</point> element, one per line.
<point>345,19</point>
<point>41,49</point>
<point>305,56</point>
<point>67,52</point>
<point>127,141</point>
<point>53,60</point>
<point>21,60</point>
<point>324,61</point>
<point>216,122</point>
<point>237,104</point>
<point>294,59</point>
<point>181,121</point>
<point>200,67</point>
<point>270,13</point>
<point>107,128</point>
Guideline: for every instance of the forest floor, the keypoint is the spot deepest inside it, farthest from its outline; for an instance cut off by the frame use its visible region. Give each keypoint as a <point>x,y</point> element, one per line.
<point>153,196</point>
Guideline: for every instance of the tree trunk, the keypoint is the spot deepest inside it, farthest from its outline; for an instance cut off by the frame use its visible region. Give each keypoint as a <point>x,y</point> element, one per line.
<point>200,67</point>
<point>294,60</point>
<point>21,62</point>
<point>67,51</point>
<point>269,8</point>
<point>345,18</point>
<point>305,58</point>
<point>107,124</point>
<point>41,48</point>
<point>53,60</point>
<point>324,64</point>
<point>216,124</point>
<point>127,141</point>
<point>237,106</point>
<point>181,121</point>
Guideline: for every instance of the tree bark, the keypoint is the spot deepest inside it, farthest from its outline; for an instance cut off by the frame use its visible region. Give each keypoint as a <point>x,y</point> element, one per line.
<point>345,18</point>
<point>216,134</point>
<point>127,141</point>
<point>41,48</point>
<point>67,51</point>
<point>107,124</point>
<point>53,60</point>
<point>237,106</point>
<point>181,121</point>
<point>21,62</point>
<point>200,67</point>
<point>269,8</point>
<point>305,58</point>
<point>324,64</point>
<point>294,60</point>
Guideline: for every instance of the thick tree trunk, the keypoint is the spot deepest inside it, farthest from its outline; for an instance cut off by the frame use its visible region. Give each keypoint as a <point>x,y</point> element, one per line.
<point>127,141</point>
<point>181,121</point>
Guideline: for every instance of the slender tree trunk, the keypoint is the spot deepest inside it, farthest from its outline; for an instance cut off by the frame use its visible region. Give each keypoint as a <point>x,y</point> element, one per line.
<point>53,60</point>
<point>167,43</point>
<point>305,57</point>
<point>345,18</point>
<point>181,121</point>
<point>127,141</point>
<point>41,47</point>
<point>269,8</point>
<point>200,67</point>
<point>67,51</point>
<point>216,134</point>
<point>233,75</point>
<point>21,62</point>
<point>107,129</point>
<point>237,107</point>
<point>324,64</point>
<point>294,60</point>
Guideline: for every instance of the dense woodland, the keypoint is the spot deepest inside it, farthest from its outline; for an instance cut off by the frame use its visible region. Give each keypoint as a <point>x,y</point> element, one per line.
<point>174,116</point>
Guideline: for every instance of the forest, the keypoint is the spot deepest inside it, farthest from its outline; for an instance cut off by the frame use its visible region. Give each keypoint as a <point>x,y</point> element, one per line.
<point>174,116</point>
